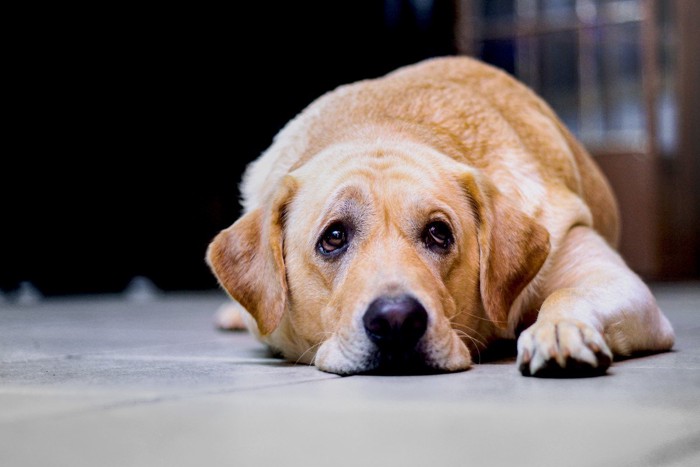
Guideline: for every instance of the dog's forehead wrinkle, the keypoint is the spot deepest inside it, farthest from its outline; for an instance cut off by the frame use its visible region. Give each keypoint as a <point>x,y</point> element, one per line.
<point>395,200</point>
<point>383,176</point>
<point>378,155</point>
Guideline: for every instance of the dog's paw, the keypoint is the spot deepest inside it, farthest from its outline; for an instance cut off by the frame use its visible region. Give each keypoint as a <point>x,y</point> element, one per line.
<point>562,349</point>
<point>229,317</point>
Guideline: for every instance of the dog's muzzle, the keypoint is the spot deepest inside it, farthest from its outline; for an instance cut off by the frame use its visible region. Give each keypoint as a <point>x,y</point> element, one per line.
<point>395,325</point>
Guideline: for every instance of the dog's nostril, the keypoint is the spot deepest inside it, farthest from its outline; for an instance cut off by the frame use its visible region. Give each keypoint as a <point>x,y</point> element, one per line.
<point>395,322</point>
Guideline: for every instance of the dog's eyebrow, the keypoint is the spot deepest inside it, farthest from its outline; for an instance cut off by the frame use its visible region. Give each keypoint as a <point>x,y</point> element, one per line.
<point>349,201</point>
<point>345,197</point>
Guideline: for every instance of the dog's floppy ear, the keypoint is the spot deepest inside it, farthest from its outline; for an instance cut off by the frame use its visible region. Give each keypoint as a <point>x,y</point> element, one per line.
<point>248,260</point>
<point>512,247</point>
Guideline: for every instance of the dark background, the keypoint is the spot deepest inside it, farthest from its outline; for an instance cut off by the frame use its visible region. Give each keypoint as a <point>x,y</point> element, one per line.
<point>130,127</point>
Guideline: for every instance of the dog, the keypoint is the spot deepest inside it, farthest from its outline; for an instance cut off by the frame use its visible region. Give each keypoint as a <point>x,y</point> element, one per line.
<point>405,224</point>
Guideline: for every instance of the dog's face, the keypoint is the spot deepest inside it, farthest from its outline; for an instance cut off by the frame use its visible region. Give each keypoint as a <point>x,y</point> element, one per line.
<point>380,258</point>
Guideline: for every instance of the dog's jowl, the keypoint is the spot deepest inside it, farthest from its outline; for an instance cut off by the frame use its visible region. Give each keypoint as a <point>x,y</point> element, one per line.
<point>406,223</point>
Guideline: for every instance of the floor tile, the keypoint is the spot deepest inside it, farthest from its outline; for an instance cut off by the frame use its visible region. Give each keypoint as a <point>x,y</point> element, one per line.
<point>106,381</point>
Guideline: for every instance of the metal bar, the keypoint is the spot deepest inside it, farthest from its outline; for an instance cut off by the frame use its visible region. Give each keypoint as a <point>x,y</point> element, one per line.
<point>651,79</point>
<point>466,27</point>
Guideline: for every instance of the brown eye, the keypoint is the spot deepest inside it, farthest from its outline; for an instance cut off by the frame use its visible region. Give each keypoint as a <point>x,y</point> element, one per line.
<point>438,237</point>
<point>334,240</point>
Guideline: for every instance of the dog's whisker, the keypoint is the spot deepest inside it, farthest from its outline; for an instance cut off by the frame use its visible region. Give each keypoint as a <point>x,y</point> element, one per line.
<point>472,315</point>
<point>467,328</point>
<point>318,344</point>
<point>298,360</point>
<point>474,340</point>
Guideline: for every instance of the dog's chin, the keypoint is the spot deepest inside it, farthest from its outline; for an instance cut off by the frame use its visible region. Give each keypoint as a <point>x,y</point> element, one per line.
<point>401,363</point>
<point>336,357</point>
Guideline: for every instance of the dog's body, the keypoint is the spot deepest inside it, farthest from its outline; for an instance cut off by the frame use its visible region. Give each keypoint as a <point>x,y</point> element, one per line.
<point>410,221</point>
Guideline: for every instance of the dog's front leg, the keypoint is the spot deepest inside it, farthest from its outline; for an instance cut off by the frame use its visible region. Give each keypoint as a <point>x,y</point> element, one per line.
<point>595,307</point>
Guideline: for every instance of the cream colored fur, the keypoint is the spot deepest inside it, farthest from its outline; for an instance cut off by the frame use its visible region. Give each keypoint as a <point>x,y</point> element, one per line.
<point>534,221</point>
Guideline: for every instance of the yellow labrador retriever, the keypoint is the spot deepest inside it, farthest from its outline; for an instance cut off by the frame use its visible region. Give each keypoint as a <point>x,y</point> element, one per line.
<point>405,223</point>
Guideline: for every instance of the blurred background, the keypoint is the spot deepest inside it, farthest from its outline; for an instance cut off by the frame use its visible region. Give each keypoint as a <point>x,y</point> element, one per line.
<point>129,127</point>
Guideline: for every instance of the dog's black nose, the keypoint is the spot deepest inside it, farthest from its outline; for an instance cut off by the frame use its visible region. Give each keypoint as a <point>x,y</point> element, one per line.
<point>395,324</point>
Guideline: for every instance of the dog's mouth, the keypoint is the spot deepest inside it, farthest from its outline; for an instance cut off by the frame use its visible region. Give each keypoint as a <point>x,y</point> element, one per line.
<point>399,338</point>
<point>350,357</point>
<point>399,362</point>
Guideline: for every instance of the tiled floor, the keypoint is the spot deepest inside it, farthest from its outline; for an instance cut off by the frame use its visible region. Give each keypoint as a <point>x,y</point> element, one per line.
<point>111,382</point>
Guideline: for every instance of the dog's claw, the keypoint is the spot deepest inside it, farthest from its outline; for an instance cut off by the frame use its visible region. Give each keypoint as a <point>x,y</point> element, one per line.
<point>562,349</point>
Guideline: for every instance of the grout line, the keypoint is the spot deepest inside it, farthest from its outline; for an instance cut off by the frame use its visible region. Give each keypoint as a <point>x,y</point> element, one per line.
<point>105,353</point>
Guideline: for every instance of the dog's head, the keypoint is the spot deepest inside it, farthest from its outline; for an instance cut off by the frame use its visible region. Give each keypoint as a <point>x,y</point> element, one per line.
<point>380,257</point>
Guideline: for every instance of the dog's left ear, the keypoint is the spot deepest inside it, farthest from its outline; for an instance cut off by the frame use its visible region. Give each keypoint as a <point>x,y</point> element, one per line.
<point>248,260</point>
<point>512,247</point>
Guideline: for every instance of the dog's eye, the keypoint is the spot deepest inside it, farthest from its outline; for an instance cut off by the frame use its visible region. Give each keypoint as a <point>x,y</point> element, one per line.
<point>438,236</point>
<point>334,239</point>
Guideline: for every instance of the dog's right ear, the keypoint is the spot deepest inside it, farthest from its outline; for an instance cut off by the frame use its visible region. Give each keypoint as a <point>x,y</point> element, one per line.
<point>512,247</point>
<point>248,260</point>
